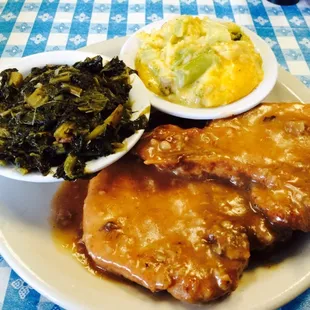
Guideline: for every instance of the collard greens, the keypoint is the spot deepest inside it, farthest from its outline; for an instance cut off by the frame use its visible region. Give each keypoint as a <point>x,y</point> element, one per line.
<point>62,116</point>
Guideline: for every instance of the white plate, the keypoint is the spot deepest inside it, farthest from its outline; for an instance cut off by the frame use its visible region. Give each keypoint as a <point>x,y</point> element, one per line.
<point>138,95</point>
<point>129,51</point>
<point>27,245</point>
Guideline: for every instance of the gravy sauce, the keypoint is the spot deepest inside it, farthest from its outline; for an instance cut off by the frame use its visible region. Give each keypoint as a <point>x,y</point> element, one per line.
<point>67,216</point>
<point>66,220</point>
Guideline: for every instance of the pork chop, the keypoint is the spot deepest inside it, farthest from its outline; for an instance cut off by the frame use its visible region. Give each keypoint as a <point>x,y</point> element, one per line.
<point>266,151</point>
<point>168,233</point>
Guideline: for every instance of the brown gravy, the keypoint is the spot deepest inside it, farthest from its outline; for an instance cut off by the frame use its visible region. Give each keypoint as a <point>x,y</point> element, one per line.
<point>66,220</point>
<point>67,212</point>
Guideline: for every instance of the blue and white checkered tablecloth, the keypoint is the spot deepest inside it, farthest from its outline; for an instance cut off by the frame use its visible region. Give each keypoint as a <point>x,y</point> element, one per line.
<point>33,26</point>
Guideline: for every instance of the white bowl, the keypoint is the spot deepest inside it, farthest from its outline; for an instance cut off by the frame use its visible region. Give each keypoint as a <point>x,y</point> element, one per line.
<point>138,95</point>
<point>270,67</point>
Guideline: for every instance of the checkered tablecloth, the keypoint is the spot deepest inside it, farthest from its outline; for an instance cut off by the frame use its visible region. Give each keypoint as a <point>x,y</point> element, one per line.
<point>33,26</point>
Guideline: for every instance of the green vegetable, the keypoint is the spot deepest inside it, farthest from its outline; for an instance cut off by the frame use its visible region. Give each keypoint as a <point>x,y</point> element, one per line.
<point>113,120</point>
<point>22,171</point>
<point>191,71</point>
<point>37,98</point>
<point>64,77</point>
<point>4,133</point>
<point>63,116</point>
<point>65,132</point>
<point>236,36</point>
<point>16,79</point>
<point>74,90</point>
<point>92,101</point>
<point>69,165</point>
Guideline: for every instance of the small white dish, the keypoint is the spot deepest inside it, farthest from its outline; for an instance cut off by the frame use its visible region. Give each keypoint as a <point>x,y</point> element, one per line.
<point>138,95</point>
<point>128,55</point>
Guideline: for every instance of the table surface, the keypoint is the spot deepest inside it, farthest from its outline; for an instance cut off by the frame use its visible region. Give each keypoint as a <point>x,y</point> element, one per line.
<point>33,26</point>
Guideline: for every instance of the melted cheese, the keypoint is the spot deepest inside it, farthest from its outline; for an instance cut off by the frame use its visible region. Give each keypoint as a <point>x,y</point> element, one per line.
<point>169,62</point>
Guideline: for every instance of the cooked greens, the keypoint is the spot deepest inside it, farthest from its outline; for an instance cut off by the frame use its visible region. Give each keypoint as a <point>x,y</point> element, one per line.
<point>63,116</point>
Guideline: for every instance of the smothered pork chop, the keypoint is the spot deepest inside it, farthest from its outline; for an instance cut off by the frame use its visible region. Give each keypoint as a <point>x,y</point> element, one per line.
<point>265,151</point>
<point>164,232</point>
<point>186,219</point>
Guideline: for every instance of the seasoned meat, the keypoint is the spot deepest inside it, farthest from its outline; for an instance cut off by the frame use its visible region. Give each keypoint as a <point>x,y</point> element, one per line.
<point>168,233</point>
<point>265,151</point>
